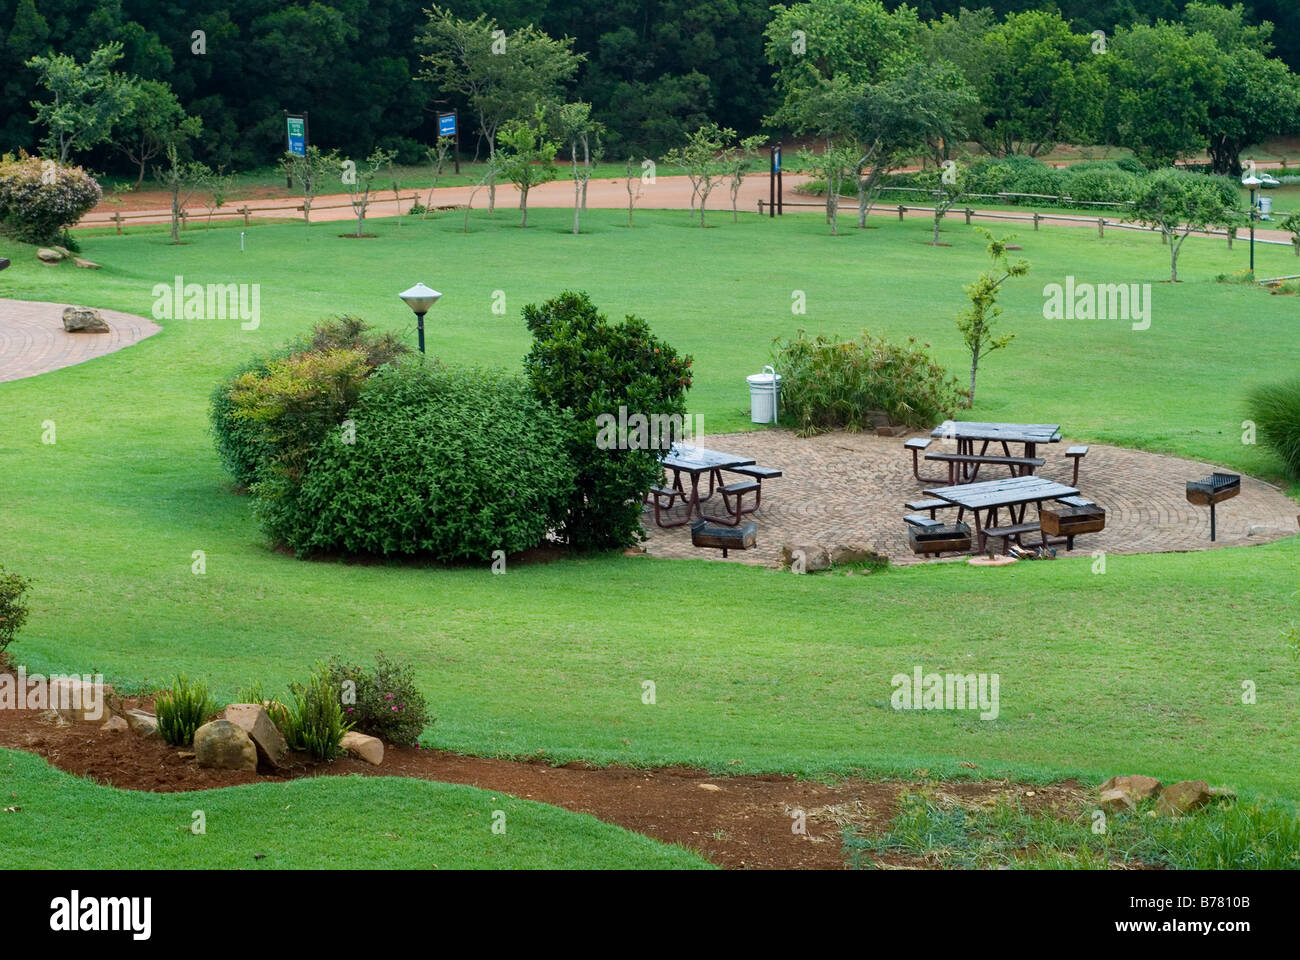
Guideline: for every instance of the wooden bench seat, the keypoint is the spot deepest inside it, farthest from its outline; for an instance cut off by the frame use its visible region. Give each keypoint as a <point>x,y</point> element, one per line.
<point>1019,466</point>
<point>733,501</point>
<point>758,473</point>
<point>1076,454</point>
<point>1075,501</point>
<point>1012,532</point>
<point>931,505</point>
<point>916,445</point>
<point>924,523</point>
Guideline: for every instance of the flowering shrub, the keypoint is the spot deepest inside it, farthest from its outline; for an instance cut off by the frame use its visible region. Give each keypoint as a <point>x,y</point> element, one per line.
<point>39,199</point>
<point>387,704</point>
<point>13,607</point>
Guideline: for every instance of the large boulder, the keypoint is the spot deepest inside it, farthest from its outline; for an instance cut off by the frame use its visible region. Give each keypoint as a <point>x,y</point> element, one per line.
<point>83,320</point>
<point>369,749</point>
<point>1183,797</point>
<point>49,255</point>
<point>1138,787</point>
<point>221,745</point>
<point>80,702</point>
<point>814,557</point>
<point>253,719</point>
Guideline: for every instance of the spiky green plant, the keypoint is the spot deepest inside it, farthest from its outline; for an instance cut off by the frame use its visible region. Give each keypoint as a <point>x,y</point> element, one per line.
<point>182,710</point>
<point>1275,409</point>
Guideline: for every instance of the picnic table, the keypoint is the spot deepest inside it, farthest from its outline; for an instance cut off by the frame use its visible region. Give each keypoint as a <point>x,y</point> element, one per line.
<point>969,432</point>
<point>694,461</point>
<point>1013,494</point>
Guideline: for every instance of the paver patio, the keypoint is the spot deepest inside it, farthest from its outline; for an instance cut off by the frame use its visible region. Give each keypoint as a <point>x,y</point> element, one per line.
<point>32,338</point>
<point>848,489</point>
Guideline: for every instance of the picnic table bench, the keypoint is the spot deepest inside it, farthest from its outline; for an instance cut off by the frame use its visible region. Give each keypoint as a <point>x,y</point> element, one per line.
<point>695,462</point>
<point>967,433</point>
<point>959,462</point>
<point>986,500</point>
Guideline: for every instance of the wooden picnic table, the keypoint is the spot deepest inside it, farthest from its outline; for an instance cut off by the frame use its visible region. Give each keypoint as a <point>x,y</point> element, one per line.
<point>969,432</point>
<point>695,461</point>
<point>1011,493</point>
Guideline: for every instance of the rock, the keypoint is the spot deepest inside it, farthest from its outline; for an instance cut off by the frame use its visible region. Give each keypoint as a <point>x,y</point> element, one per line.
<point>815,558</point>
<point>64,252</point>
<point>49,255</point>
<point>253,719</point>
<point>1183,797</point>
<point>1117,801</point>
<point>221,745</point>
<point>80,702</point>
<point>1138,787</point>
<point>709,786</point>
<point>369,749</point>
<point>885,432</point>
<point>83,320</point>
<point>115,725</point>
<point>85,264</point>
<point>849,553</point>
<point>52,718</point>
<point>144,724</point>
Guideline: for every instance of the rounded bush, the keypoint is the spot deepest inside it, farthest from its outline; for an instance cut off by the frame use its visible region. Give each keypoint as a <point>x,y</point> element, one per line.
<point>40,199</point>
<point>1276,412</point>
<point>1098,183</point>
<point>450,464</point>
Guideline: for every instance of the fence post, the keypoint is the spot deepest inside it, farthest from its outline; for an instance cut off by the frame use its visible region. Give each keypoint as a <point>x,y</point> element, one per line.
<point>117,218</point>
<point>1035,221</point>
<point>901,209</point>
<point>1101,226</point>
<point>1232,235</point>
<point>244,211</point>
<point>969,211</point>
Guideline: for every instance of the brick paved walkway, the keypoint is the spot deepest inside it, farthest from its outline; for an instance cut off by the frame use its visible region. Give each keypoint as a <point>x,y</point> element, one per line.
<point>32,338</point>
<point>849,489</point>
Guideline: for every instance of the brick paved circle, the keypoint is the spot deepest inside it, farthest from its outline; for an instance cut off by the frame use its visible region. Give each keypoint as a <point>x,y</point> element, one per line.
<point>32,338</point>
<point>849,489</point>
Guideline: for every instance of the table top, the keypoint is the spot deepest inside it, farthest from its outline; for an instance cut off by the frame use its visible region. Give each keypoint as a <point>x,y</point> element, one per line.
<point>1006,492</point>
<point>1010,432</point>
<point>696,459</point>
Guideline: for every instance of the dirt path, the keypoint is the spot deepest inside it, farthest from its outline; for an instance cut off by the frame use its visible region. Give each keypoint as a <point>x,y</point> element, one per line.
<point>746,822</point>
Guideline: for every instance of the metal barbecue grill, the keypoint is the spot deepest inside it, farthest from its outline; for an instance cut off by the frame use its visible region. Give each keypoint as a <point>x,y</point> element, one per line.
<point>1212,490</point>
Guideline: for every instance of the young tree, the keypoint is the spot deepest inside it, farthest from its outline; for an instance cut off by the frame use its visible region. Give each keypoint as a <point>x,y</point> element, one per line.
<point>437,156</point>
<point>1177,203</point>
<point>503,76</point>
<point>181,178</point>
<point>154,116</point>
<point>528,158</point>
<point>360,179</point>
<point>578,132</point>
<point>492,170</point>
<point>701,156</point>
<point>310,172</point>
<point>835,164</point>
<point>738,161</point>
<point>948,181</point>
<point>217,185</point>
<point>86,99</point>
<point>976,321</point>
<point>632,178</point>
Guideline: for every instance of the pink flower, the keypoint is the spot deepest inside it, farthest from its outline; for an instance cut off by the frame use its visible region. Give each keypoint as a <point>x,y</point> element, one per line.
<point>394,709</point>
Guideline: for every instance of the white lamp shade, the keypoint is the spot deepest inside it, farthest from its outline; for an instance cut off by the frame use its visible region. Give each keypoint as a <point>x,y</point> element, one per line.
<point>420,298</point>
<point>1251,182</point>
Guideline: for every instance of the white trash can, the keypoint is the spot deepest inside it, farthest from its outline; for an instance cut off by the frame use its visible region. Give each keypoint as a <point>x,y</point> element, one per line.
<point>1265,208</point>
<point>764,395</point>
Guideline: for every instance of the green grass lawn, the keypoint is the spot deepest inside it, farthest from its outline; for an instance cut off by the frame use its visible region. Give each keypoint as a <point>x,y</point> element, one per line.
<point>336,823</point>
<point>1136,670</point>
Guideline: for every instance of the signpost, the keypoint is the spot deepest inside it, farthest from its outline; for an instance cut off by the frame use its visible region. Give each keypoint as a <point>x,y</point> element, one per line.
<point>774,191</point>
<point>296,132</point>
<point>449,126</point>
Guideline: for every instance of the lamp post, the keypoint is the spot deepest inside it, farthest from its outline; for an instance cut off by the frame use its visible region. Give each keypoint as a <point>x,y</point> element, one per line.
<point>420,298</point>
<point>1252,183</point>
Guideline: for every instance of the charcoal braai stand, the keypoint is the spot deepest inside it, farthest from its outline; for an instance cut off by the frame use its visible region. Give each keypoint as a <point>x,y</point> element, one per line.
<point>1212,490</point>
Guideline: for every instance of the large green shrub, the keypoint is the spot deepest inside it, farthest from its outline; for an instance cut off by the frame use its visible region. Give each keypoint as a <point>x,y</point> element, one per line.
<point>447,463</point>
<point>582,363</point>
<point>1276,412</point>
<point>13,608</point>
<point>40,199</point>
<point>829,383</point>
<point>383,701</point>
<point>283,414</point>
<point>1101,182</point>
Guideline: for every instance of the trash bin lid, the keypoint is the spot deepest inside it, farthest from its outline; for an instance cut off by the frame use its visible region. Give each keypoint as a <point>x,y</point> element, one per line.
<point>764,378</point>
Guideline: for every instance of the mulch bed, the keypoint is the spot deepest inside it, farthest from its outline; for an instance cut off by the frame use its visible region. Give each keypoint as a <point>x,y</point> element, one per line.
<point>745,823</point>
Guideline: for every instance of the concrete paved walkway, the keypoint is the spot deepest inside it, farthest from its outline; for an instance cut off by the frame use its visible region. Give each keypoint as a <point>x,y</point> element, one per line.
<point>32,338</point>
<point>849,489</point>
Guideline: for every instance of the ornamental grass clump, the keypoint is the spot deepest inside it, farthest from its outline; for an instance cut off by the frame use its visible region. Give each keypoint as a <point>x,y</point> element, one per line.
<point>183,709</point>
<point>1275,409</point>
<point>313,719</point>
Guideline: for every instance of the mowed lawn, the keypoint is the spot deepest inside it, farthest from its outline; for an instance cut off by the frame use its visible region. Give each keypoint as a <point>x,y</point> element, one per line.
<point>1137,669</point>
<point>335,823</point>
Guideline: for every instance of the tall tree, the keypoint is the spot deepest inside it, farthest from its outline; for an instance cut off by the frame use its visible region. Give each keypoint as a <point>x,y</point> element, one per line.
<point>86,100</point>
<point>151,122</point>
<point>527,158</point>
<point>1178,203</point>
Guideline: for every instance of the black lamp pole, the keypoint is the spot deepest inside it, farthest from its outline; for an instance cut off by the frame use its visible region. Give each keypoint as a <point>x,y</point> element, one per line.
<point>1252,229</point>
<point>419,326</point>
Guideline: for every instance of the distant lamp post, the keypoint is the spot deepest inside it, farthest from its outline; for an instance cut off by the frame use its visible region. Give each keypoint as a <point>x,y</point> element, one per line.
<point>1252,183</point>
<point>420,299</point>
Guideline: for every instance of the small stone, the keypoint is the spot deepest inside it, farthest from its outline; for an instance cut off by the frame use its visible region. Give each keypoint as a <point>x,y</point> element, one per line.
<point>1138,787</point>
<point>144,724</point>
<point>52,718</point>
<point>1117,801</point>
<point>1183,797</point>
<point>115,725</point>
<point>852,553</point>
<point>221,745</point>
<point>885,431</point>
<point>83,320</point>
<point>49,255</point>
<point>814,557</point>
<point>369,749</point>
<point>85,264</point>
<point>709,786</point>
